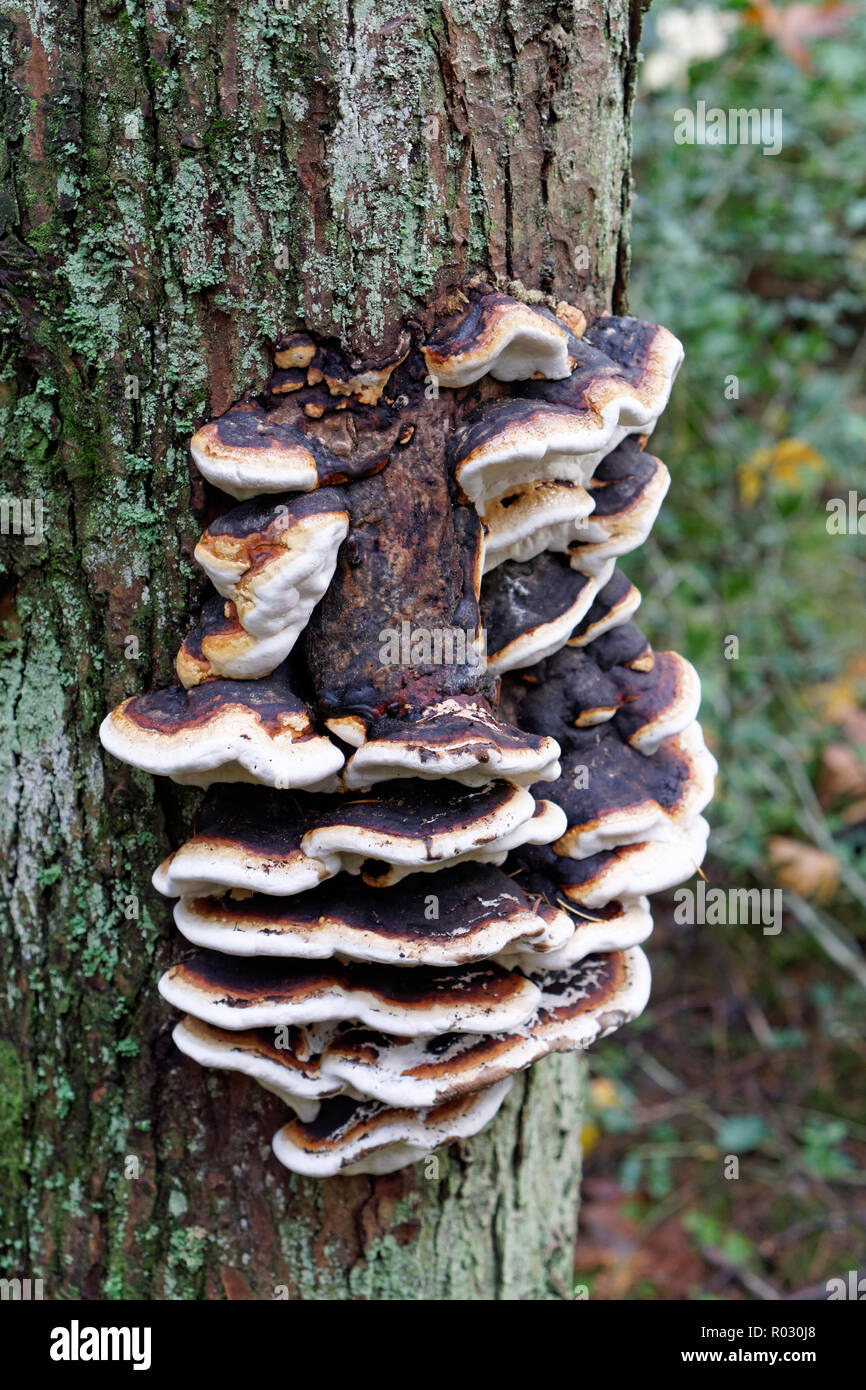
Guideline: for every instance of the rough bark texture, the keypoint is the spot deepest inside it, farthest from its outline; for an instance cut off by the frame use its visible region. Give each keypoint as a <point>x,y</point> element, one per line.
<point>181,181</point>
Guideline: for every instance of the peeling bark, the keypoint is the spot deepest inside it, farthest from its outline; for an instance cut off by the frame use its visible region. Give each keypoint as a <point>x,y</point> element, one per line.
<point>180,182</point>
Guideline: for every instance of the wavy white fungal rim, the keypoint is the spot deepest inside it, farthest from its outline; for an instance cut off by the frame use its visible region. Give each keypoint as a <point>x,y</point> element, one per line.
<point>281,595</point>
<point>399,1079</point>
<point>404,1138</point>
<point>479,754</point>
<point>546,825</point>
<point>539,642</point>
<point>602,539</point>
<point>405,1073</point>
<point>330,936</point>
<point>232,746</point>
<point>653,866</point>
<point>250,658</point>
<point>352,844</point>
<point>336,1002</point>
<point>531,519</point>
<point>247,473</point>
<point>517,343</point>
<point>647,821</point>
<point>591,935</point>
<point>678,717</point>
<point>550,448</point>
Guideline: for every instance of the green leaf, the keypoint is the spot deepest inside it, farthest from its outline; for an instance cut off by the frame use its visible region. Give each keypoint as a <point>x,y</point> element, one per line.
<point>740,1134</point>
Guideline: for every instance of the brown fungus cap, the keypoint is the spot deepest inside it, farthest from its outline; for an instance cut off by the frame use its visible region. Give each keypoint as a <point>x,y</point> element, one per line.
<point>366,386</point>
<point>511,443</point>
<point>272,842</point>
<point>624,371</point>
<point>615,602</point>
<point>471,912</point>
<point>609,517</point>
<point>576,1007</point>
<point>294,351</point>
<point>561,430</point>
<point>355,1136</point>
<point>619,644</point>
<point>292,1072</point>
<point>657,703</point>
<point>248,842</point>
<point>627,490</point>
<point>616,875</point>
<point>274,558</point>
<point>231,992</point>
<point>581,687</point>
<point>530,609</point>
<point>459,738</point>
<point>247,451</point>
<point>612,795</point>
<point>224,731</point>
<point>499,335</point>
<point>285,383</point>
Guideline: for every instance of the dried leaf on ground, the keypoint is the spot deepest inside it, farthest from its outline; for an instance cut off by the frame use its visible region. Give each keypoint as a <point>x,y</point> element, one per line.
<point>805,869</point>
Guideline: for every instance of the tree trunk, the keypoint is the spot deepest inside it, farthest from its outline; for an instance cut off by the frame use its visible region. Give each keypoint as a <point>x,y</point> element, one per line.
<point>181,181</point>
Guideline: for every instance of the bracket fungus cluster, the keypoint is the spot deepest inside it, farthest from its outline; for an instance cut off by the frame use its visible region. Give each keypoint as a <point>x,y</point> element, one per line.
<point>461,768</point>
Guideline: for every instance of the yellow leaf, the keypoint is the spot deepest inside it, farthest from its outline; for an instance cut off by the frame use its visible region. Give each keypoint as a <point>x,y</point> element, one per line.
<point>589,1137</point>
<point>797,452</point>
<point>837,700</point>
<point>604,1094</point>
<point>750,484</point>
<point>786,462</point>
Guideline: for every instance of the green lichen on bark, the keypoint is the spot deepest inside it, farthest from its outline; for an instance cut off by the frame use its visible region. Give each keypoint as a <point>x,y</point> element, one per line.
<point>179,182</point>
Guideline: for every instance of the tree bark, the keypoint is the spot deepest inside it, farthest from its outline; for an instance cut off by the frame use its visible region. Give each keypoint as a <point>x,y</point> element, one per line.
<point>180,182</point>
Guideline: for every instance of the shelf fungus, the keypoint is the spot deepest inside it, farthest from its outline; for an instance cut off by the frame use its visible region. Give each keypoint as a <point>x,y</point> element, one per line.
<point>459,738</point>
<point>219,647</point>
<point>531,608</point>
<point>648,696</point>
<point>247,451</point>
<point>499,335</point>
<point>271,842</point>
<point>274,560</point>
<point>595,524</point>
<point>574,1005</point>
<point>443,768</point>
<point>225,731</point>
<point>351,1136</point>
<point>234,993</point>
<point>479,912</point>
<point>615,875</point>
<point>616,602</point>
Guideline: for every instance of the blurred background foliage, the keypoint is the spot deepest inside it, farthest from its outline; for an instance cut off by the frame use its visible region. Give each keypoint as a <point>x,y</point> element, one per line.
<point>753,1049</point>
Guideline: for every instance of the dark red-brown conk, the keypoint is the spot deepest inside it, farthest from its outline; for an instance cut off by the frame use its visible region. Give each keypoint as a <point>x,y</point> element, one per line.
<point>443,768</point>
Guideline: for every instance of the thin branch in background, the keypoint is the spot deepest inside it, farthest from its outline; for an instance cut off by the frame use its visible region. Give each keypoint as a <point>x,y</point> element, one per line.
<point>815,822</point>
<point>823,930</point>
<point>753,1283</point>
